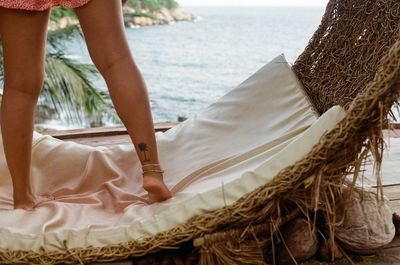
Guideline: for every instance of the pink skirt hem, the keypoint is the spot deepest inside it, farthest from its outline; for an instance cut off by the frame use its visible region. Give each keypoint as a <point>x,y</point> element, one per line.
<point>40,5</point>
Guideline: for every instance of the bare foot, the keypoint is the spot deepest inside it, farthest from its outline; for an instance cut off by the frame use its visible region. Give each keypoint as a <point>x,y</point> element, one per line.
<point>153,183</point>
<point>30,202</point>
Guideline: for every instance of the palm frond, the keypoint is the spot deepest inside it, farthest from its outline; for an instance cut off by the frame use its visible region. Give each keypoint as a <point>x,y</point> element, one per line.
<point>56,39</point>
<point>58,13</point>
<point>69,90</point>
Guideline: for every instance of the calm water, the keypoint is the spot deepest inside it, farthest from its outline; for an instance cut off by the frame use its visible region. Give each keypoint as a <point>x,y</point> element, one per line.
<point>188,65</point>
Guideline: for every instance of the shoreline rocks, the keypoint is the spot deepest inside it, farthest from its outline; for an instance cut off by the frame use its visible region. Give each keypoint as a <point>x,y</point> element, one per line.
<point>136,19</point>
<point>165,16</point>
<point>62,23</point>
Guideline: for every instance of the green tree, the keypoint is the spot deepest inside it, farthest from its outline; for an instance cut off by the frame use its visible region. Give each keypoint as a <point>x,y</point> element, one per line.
<point>151,5</point>
<point>135,4</point>
<point>170,4</point>
<point>60,12</point>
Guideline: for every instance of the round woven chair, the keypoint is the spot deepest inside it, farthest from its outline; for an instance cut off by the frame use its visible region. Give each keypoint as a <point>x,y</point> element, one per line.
<point>353,60</point>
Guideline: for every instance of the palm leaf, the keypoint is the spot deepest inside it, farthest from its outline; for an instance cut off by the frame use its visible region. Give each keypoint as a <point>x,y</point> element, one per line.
<point>57,39</point>
<point>60,12</point>
<point>69,91</point>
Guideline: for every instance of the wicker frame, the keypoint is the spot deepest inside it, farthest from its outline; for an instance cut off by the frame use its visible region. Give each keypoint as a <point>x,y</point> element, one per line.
<point>353,60</point>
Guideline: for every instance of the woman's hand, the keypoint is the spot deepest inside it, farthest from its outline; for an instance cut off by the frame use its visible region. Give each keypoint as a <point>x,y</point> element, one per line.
<point>29,202</point>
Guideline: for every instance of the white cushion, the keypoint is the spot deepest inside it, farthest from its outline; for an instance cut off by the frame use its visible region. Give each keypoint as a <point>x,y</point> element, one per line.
<point>210,160</point>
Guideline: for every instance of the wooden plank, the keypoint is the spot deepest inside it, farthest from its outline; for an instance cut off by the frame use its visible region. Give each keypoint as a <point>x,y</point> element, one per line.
<point>390,174</point>
<point>392,191</point>
<point>395,206</point>
<point>103,131</point>
<point>102,140</point>
<point>121,130</point>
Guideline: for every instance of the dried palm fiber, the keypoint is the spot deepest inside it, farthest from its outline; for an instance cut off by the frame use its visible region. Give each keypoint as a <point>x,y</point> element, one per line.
<point>240,246</point>
<point>354,60</point>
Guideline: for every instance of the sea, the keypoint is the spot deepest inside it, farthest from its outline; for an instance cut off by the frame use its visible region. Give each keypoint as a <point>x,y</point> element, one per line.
<point>189,65</point>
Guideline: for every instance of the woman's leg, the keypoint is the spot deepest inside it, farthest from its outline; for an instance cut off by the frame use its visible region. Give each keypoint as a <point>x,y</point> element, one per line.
<point>104,31</point>
<point>23,39</point>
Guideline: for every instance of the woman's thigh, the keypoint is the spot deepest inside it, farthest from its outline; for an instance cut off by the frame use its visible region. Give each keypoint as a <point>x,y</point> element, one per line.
<point>23,35</point>
<point>103,27</point>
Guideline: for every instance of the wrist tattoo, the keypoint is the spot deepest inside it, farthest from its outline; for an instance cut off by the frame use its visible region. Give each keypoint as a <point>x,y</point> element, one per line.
<point>143,148</point>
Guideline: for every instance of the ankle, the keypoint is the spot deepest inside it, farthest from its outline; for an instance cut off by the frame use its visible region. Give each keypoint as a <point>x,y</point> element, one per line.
<point>22,196</point>
<point>152,169</point>
<point>23,191</point>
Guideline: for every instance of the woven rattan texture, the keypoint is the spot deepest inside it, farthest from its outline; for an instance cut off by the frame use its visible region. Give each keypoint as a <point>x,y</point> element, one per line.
<point>343,55</point>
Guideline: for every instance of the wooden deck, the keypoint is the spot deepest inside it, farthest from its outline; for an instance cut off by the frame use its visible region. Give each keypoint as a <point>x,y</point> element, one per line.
<point>390,255</point>
<point>391,180</point>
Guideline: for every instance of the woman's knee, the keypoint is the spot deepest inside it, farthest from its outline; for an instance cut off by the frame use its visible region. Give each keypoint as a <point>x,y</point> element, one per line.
<point>24,50</point>
<point>106,53</point>
<point>107,64</point>
<point>30,87</point>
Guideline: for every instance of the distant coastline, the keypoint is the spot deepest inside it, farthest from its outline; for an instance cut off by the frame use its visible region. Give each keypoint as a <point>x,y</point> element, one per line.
<point>135,18</point>
<point>141,18</point>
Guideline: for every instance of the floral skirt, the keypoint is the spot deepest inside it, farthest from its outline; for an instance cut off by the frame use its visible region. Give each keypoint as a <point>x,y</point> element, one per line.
<point>41,4</point>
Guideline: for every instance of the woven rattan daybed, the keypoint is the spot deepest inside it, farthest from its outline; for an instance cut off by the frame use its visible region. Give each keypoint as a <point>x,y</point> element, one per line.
<point>353,60</point>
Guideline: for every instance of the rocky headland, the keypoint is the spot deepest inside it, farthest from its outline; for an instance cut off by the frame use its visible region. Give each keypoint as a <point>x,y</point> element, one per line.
<point>134,19</point>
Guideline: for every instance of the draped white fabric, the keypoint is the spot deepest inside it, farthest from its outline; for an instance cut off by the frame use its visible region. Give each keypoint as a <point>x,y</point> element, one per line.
<point>212,159</point>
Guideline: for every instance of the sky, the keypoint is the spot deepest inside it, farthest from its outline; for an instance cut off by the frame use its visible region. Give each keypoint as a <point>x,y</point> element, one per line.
<point>253,2</point>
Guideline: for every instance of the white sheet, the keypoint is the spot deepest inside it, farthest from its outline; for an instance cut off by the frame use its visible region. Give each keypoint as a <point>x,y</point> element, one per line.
<point>212,159</point>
